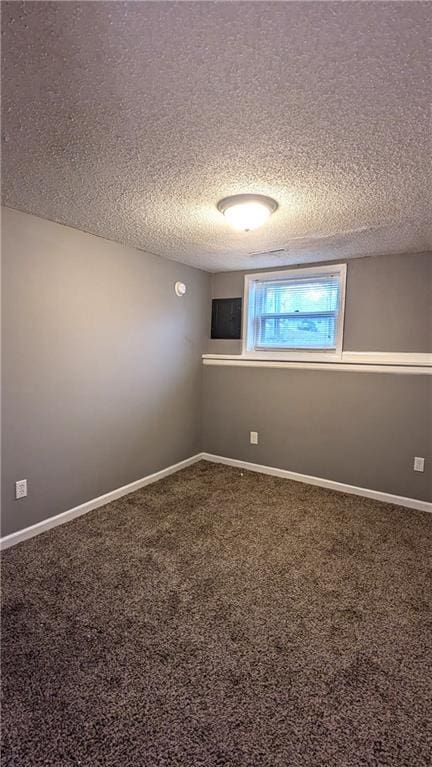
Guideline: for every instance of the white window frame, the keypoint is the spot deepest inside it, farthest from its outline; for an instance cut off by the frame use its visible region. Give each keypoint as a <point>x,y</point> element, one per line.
<point>313,355</point>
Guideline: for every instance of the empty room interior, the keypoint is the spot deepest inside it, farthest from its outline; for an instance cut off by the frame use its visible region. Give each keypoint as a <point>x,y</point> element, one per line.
<point>216,481</point>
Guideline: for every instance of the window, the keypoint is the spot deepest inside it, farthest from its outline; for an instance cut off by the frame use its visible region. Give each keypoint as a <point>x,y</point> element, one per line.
<point>295,313</point>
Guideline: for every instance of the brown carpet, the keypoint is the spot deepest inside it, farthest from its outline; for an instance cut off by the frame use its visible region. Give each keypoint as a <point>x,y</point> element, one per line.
<point>217,619</point>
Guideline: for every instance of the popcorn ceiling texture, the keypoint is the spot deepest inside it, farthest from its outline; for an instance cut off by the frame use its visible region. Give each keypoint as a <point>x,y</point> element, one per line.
<point>131,120</point>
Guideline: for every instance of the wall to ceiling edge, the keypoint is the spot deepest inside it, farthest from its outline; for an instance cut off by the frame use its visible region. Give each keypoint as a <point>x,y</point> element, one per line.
<point>102,368</point>
<point>103,381</point>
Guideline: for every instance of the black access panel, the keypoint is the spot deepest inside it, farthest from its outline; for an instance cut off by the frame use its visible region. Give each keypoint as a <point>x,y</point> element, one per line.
<point>226,318</point>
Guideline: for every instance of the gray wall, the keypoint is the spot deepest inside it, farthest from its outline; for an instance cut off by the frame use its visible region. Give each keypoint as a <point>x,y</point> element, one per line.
<point>388,304</point>
<point>102,375</point>
<point>358,428</point>
<point>101,365</point>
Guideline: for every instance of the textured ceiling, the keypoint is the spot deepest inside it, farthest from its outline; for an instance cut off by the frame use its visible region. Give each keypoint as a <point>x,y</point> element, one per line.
<point>132,119</point>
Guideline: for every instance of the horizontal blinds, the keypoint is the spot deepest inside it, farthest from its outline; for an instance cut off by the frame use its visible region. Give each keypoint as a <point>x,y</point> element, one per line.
<point>297,313</point>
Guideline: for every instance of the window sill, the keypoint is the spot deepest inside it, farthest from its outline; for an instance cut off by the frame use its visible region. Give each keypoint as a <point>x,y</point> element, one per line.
<point>385,362</point>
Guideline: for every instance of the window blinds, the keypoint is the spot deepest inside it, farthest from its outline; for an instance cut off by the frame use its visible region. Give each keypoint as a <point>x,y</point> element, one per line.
<point>297,313</point>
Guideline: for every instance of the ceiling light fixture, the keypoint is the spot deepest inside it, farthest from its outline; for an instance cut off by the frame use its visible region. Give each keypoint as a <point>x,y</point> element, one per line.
<point>247,211</point>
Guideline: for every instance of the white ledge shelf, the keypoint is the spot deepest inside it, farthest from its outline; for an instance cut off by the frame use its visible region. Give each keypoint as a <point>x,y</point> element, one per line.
<point>366,362</point>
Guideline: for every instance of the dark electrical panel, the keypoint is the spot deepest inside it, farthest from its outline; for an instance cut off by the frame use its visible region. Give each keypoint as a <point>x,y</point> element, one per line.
<point>226,318</point>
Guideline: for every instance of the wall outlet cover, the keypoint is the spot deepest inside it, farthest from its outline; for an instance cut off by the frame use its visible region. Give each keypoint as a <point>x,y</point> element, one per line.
<point>418,464</point>
<point>20,489</point>
<point>254,437</point>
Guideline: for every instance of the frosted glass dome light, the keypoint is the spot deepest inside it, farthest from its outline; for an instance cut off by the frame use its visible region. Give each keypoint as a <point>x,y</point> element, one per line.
<point>247,211</point>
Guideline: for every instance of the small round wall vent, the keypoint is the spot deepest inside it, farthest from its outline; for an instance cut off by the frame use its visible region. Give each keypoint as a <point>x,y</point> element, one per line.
<point>180,289</point>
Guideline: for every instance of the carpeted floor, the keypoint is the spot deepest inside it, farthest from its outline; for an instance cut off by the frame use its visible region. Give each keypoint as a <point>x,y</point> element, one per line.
<point>221,619</point>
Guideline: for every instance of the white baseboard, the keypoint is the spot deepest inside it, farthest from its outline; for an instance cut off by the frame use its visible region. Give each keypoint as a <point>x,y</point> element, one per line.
<point>94,503</point>
<point>377,495</point>
<point>102,500</point>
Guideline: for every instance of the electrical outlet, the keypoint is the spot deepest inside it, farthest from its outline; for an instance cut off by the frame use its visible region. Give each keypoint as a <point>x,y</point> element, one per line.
<point>20,489</point>
<point>254,437</point>
<point>418,464</point>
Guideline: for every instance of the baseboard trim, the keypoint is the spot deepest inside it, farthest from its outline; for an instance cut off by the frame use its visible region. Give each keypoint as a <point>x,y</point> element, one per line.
<point>94,503</point>
<point>102,500</point>
<point>377,495</point>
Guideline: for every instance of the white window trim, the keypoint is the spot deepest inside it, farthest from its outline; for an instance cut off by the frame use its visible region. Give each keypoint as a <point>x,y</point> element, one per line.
<point>314,355</point>
<point>355,362</point>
